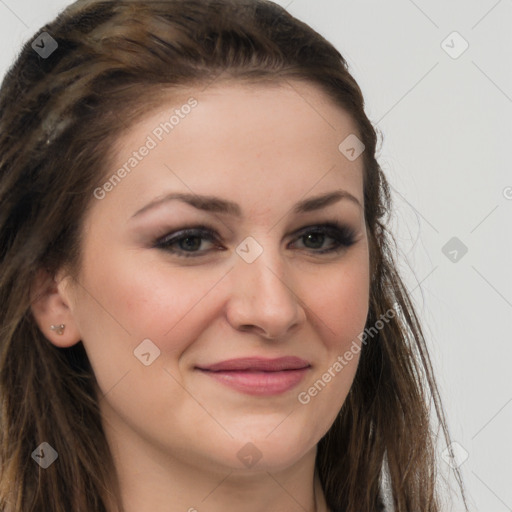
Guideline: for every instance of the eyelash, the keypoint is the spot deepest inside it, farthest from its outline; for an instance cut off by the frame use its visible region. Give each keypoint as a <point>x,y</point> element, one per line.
<point>343,236</point>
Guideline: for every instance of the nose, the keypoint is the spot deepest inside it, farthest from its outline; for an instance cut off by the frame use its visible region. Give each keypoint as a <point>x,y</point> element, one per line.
<point>263,299</point>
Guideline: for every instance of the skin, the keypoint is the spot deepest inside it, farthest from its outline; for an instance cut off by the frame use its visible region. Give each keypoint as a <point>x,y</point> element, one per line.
<point>174,431</point>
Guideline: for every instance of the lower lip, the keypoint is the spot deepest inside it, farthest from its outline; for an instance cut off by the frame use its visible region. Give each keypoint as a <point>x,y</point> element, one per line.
<point>260,383</point>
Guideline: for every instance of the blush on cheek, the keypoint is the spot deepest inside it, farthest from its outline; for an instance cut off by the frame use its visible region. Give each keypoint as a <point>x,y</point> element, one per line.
<point>344,314</point>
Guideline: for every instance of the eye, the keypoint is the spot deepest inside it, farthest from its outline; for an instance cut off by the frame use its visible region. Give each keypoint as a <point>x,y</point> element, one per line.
<point>188,242</point>
<point>315,236</point>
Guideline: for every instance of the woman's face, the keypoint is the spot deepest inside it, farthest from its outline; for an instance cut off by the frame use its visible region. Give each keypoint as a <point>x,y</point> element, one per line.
<point>157,308</point>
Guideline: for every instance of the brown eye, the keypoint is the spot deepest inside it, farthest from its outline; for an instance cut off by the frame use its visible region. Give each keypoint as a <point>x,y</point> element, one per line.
<point>314,237</point>
<point>187,242</point>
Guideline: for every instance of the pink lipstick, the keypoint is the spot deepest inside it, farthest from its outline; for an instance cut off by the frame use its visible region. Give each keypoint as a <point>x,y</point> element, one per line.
<point>259,376</point>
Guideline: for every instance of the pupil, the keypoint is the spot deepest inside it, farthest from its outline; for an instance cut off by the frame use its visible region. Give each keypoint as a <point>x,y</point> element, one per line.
<point>192,246</point>
<point>315,236</point>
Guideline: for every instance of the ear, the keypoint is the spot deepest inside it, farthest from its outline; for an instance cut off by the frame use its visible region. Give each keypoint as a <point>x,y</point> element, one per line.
<point>50,306</point>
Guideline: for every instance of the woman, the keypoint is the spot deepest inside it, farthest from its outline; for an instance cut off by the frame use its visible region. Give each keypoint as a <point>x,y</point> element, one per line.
<point>275,364</point>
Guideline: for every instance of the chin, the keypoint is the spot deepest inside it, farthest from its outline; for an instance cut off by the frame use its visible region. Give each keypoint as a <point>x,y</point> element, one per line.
<point>273,449</point>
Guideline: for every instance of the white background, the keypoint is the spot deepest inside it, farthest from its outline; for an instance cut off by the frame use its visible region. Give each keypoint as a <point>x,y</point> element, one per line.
<point>447,131</point>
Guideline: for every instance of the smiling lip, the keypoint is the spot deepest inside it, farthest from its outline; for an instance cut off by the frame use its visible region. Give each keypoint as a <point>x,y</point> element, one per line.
<point>259,376</point>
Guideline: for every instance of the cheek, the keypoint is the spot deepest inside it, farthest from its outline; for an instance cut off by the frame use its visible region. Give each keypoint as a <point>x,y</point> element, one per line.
<point>340,303</point>
<point>150,298</point>
<point>339,309</point>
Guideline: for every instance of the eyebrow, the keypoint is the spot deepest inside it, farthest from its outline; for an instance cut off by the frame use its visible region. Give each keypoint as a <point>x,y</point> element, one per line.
<point>218,205</point>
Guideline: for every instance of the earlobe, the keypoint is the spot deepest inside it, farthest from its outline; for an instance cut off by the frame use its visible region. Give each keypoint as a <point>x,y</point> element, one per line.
<point>59,329</point>
<point>51,311</point>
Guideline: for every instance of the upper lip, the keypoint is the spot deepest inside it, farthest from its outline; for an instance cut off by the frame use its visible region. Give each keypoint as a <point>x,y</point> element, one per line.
<point>258,364</point>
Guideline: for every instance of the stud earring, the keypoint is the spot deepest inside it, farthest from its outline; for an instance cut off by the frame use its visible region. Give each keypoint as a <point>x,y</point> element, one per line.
<point>59,329</point>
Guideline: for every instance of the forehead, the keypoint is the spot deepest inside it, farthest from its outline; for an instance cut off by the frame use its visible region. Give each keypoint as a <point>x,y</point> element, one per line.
<point>245,139</point>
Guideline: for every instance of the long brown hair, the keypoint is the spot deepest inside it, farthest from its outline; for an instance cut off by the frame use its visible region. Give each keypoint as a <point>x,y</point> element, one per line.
<point>60,115</point>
